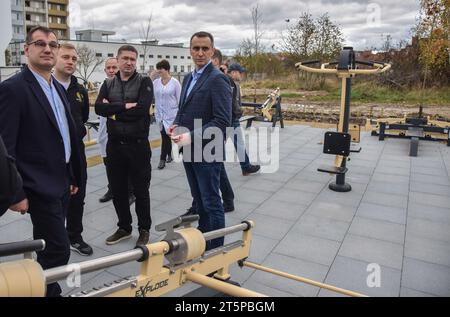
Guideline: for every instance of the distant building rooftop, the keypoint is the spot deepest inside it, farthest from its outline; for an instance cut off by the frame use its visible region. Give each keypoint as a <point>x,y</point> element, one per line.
<point>94,35</point>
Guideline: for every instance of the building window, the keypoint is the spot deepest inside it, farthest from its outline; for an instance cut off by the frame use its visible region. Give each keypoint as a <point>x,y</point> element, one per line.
<point>159,56</point>
<point>182,57</point>
<point>110,55</point>
<point>175,68</point>
<point>150,56</point>
<point>189,57</point>
<point>174,57</point>
<point>189,68</point>
<point>167,56</point>
<point>141,56</point>
<point>182,69</point>
<point>99,55</point>
<point>152,67</point>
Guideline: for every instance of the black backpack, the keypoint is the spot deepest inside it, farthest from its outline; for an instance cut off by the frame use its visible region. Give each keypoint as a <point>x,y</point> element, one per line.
<point>10,179</point>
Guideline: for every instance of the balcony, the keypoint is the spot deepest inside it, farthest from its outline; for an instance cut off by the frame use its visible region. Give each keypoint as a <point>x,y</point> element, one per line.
<point>35,23</point>
<point>58,1</point>
<point>35,10</point>
<point>57,26</point>
<point>58,13</point>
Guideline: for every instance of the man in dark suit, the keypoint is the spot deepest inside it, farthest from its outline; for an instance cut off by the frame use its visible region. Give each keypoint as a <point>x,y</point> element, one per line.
<point>39,133</point>
<point>205,113</point>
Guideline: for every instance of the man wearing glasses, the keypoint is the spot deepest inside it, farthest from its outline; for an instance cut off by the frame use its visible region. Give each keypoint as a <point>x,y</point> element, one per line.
<point>39,133</point>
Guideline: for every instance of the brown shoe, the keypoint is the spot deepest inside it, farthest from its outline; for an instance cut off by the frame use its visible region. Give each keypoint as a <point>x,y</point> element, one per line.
<point>118,236</point>
<point>144,237</point>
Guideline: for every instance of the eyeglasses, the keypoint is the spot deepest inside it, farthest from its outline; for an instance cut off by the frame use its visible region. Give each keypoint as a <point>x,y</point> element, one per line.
<point>42,44</point>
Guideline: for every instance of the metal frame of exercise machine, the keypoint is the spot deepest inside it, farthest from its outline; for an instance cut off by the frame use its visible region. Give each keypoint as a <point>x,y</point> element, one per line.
<point>273,101</point>
<point>166,265</point>
<point>339,143</point>
<point>415,129</point>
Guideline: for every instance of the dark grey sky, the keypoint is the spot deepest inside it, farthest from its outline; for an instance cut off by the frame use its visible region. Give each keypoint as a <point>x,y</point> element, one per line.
<point>229,21</point>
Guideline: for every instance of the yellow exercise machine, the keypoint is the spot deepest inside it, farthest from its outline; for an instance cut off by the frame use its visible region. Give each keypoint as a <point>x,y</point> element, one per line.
<point>339,143</point>
<point>166,265</point>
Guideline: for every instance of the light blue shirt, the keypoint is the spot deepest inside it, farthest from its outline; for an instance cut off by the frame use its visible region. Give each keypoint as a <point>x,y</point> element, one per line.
<point>58,110</point>
<point>195,76</point>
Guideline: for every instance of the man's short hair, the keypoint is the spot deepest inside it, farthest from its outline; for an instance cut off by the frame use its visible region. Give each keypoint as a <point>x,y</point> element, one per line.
<point>218,54</point>
<point>127,48</point>
<point>203,34</point>
<point>110,58</point>
<point>68,46</point>
<point>42,29</point>
<point>164,64</point>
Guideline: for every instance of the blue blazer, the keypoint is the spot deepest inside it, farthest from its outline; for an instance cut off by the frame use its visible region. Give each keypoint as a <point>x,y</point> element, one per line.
<point>31,135</point>
<point>210,100</point>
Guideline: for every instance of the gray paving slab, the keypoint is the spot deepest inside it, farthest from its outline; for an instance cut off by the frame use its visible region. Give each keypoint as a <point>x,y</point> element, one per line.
<point>430,189</point>
<point>252,195</point>
<point>407,292</point>
<point>303,186</point>
<point>430,179</point>
<point>378,229</point>
<point>432,200</point>
<point>428,229</point>
<point>380,212</point>
<point>293,266</point>
<point>329,209</point>
<point>390,179</point>
<point>18,230</point>
<point>373,251</point>
<point>427,250</point>
<point>260,184</point>
<point>388,188</point>
<point>426,277</point>
<point>390,200</point>
<point>270,226</point>
<point>434,214</point>
<point>321,227</point>
<point>308,248</point>
<point>358,276</point>
<point>263,289</point>
<point>282,210</point>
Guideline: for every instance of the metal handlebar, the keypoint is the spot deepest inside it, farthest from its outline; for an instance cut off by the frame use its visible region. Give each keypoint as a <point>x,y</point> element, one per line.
<point>380,68</point>
<point>9,249</point>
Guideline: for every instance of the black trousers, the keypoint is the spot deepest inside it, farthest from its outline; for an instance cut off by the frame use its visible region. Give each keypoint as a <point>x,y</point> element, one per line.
<point>108,176</point>
<point>166,146</point>
<point>48,217</point>
<point>76,203</point>
<point>130,160</point>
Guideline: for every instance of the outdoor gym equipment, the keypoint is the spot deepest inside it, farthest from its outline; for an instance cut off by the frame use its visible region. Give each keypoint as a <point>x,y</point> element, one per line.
<point>339,143</point>
<point>415,129</point>
<point>183,249</point>
<point>269,111</point>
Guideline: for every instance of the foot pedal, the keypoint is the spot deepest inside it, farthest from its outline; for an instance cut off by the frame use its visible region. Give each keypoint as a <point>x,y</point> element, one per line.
<point>332,169</point>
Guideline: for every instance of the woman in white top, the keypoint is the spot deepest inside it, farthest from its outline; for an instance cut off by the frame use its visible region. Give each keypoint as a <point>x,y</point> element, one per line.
<point>167,96</point>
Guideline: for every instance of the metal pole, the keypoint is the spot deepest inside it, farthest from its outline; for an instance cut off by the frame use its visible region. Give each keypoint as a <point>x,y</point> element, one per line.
<point>303,280</point>
<point>225,231</point>
<point>62,272</point>
<point>220,286</point>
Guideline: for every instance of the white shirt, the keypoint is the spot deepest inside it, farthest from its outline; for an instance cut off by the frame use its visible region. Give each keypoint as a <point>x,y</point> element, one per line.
<point>167,98</point>
<point>102,136</point>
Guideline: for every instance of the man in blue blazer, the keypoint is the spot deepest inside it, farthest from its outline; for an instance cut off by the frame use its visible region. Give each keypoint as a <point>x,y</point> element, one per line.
<point>200,127</point>
<point>39,133</point>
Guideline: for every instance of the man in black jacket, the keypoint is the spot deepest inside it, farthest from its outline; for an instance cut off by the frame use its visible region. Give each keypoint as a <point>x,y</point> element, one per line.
<point>39,133</point>
<point>77,95</point>
<point>10,180</point>
<point>125,100</point>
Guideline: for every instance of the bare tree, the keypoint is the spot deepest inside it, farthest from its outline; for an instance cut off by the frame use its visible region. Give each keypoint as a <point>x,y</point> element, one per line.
<point>257,22</point>
<point>145,33</point>
<point>88,62</point>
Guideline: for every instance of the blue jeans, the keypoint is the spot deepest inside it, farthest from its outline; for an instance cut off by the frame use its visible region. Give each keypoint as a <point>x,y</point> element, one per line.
<point>239,145</point>
<point>204,182</point>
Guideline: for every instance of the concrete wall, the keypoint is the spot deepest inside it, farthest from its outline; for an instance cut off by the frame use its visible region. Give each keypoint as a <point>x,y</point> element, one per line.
<point>6,29</point>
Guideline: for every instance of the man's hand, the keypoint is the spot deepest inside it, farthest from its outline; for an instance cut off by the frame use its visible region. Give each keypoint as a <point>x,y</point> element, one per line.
<point>105,100</point>
<point>130,105</point>
<point>171,129</point>
<point>21,207</point>
<point>182,139</point>
<point>73,190</point>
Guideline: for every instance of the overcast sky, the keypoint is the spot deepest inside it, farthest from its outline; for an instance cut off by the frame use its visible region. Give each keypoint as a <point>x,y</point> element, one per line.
<point>230,22</point>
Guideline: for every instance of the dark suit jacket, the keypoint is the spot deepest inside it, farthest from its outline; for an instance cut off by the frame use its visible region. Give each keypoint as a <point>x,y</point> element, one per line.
<point>210,100</point>
<point>31,135</point>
